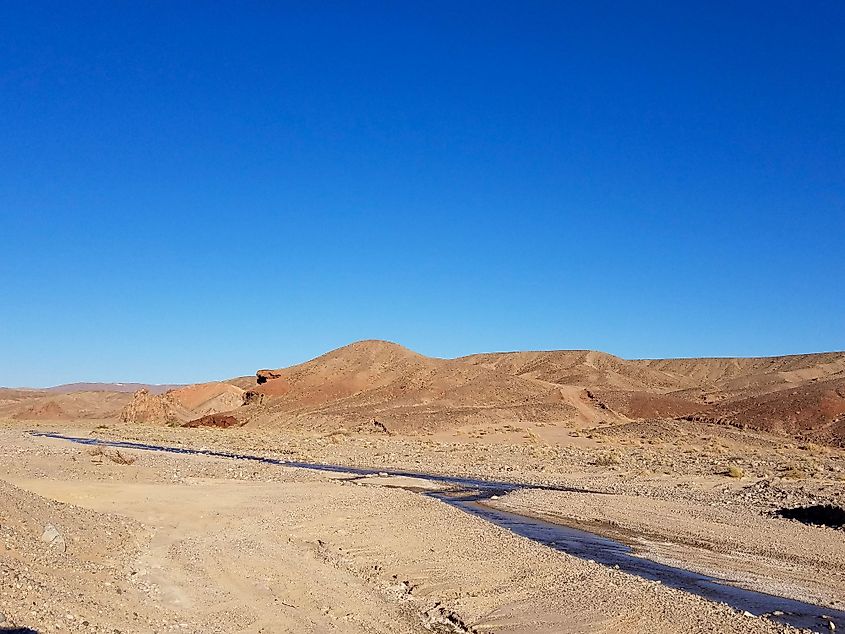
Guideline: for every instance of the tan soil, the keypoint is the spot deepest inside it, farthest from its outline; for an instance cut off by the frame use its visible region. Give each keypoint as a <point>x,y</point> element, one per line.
<point>197,544</point>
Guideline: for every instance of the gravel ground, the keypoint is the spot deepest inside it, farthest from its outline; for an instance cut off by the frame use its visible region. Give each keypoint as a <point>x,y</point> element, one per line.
<point>198,544</point>
<point>765,554</point>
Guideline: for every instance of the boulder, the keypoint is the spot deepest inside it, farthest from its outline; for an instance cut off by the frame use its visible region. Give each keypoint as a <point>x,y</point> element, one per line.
<point>53,537</point>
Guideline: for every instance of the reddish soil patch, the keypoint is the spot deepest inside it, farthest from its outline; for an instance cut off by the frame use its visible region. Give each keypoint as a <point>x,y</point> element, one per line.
<point>814,410</point>
<point>645,405</point>
<point>215,420</point>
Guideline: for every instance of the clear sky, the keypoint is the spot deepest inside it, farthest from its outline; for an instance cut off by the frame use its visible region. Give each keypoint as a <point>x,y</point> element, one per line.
<point>192,191</point>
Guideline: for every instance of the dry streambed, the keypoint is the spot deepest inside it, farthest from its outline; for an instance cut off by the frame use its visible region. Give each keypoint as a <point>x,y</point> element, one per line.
<point>738,544</point>
<point>256,547</point>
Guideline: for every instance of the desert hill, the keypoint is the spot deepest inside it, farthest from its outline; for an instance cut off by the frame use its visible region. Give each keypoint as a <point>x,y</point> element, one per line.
<point>401,389</point>
<point>815,409</point>
<point>755,374</point>
<point>604,371</point>
<point>104,401</point>
<point>798,395</point>
<point>405,391</point>
<point>781,394</point>
<point>582,367</point>
<point>71,401</point>
<point>42,405</point>
<point>384,386</point>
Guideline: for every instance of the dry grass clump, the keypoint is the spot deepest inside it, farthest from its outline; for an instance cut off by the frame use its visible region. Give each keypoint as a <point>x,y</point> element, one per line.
<point>796,470</point>
<point>607,459</point>
<point>735,472</point>
<point>115,456</point>
<point>794,473</point>
<point>814,449</point>
<point>532,435</point>
<point>120,458</point>
<point>339,436</point>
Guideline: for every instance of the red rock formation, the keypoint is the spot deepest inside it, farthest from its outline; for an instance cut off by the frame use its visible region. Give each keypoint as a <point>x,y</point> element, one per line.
<point>214,420</point>
<point>262,376</point>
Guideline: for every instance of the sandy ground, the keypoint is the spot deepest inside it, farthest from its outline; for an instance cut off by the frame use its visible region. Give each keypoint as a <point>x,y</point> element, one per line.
<point>198,544</point>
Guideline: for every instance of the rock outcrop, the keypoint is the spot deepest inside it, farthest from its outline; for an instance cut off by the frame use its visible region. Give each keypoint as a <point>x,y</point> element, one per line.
<point>262,376</point>
<point>149,408</point>
<point>184,404</point>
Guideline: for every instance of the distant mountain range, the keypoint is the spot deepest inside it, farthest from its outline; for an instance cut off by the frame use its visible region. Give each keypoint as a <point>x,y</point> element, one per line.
<point>108,387</point>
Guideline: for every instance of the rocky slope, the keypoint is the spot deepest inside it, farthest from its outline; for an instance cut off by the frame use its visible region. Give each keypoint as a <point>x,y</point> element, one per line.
<point>400,389</point>
<point>815,410</point>
<point>382,386</point>
<point>182,405</point>
<point>799,395</point>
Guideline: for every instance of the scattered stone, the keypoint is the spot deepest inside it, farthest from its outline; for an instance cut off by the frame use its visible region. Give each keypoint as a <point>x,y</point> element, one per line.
<point>54,538</point>
<point>440,619</point>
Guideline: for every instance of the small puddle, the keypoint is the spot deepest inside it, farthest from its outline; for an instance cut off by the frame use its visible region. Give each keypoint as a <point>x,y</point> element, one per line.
<point>469,496</point>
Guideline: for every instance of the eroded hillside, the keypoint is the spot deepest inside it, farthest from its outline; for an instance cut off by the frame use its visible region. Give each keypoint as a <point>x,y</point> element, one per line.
<point>382,386</point>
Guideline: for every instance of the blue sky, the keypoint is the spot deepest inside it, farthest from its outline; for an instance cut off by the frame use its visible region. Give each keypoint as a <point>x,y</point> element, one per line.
<point>191,191</point>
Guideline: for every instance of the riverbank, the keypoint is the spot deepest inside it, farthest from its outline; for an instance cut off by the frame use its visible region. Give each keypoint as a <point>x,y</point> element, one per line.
<point>735,543</point>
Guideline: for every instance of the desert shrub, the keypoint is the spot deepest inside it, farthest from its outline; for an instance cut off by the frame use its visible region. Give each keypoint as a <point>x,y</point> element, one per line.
<point>120,458</point>
<point>338,438</point>
<point>793,473</point>
<point>607,459</point>
<point>814,448</point>
<point>796,470</point>
<point>532,435</point>
<point>115,456</point>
